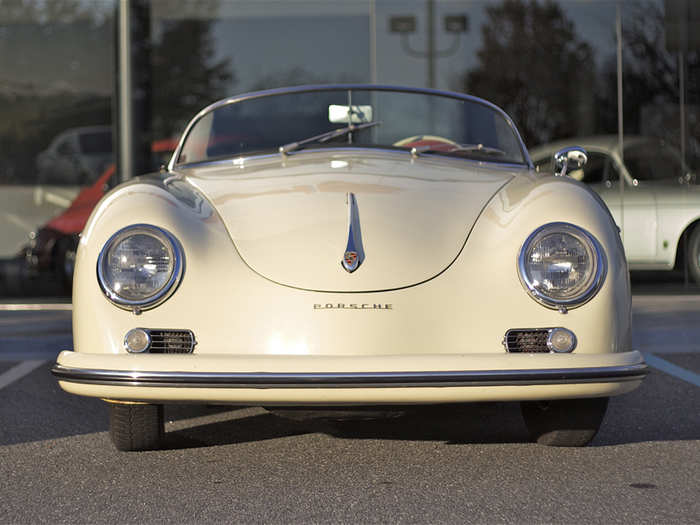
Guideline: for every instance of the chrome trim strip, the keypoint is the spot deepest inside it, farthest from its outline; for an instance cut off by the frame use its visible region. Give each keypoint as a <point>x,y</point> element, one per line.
<point>241,159</point>
<point>607,374</point>
<point>354,251</point>
<point>589,293</point>
<point>347,87</point>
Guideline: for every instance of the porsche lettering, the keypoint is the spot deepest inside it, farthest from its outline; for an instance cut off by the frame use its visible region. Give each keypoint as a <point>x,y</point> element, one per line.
<point>353,306</point>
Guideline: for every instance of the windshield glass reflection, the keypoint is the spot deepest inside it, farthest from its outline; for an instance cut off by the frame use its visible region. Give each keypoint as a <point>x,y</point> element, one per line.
<point>359,117</point>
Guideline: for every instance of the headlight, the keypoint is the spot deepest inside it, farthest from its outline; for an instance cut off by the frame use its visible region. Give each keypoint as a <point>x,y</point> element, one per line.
<point>562,265</point>
<point>140,266</point>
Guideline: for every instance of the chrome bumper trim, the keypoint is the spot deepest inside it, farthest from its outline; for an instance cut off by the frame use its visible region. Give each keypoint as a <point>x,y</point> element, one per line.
<point>607,374</point>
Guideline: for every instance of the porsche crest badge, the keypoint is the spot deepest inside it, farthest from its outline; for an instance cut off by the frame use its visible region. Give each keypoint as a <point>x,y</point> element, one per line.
<point>354,253</point>
<point>350,261</point>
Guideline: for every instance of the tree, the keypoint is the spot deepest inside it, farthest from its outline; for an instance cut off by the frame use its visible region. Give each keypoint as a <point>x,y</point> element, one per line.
<point>534,67</point>
<point>55,73</point>
<point>185,75</point>
<point>651,83</point>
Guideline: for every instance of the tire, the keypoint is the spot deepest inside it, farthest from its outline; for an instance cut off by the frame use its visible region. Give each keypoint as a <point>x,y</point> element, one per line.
<point>564,422</point>
<point>692,254</point>
<point>136,427</point>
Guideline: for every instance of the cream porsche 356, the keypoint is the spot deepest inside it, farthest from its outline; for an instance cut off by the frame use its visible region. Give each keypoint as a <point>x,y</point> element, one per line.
<point>352,245</point>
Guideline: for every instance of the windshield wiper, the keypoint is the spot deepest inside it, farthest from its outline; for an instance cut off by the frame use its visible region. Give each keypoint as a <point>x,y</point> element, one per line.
<point>452,148</point>
<point>328,135</point>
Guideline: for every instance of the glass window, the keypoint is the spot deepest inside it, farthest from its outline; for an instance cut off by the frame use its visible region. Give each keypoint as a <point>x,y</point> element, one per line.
<point>551,65</point>
<point>388,118</point>
<point>57,78</point>
<point>66,147</point>
<point>654,160</point>
<point>96,142</point>
<point>597,169</point>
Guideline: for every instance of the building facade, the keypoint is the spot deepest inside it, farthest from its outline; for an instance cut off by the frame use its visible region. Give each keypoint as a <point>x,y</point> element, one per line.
<point>94,92</point>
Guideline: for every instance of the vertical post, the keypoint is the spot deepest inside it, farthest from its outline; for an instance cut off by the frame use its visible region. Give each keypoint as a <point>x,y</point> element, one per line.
<point>620,114</point>
<point>681,87</point>
<point>125,113</point>
<point>430,18</point>
<point>373,41</point>
<point>681,73</point>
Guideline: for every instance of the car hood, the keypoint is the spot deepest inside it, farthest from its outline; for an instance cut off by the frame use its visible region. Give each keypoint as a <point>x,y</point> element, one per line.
<point>289,217</point>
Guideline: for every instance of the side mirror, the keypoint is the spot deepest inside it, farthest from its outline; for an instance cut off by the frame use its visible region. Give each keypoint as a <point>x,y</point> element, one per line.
<point>567,159</point>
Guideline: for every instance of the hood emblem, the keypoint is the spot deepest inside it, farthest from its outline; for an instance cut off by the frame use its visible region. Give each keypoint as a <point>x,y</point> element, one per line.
<point>354,253</point>
<point>350,261</point>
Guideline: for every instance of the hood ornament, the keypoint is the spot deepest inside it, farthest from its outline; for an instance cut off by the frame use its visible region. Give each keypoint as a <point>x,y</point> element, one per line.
<point>354,253</point>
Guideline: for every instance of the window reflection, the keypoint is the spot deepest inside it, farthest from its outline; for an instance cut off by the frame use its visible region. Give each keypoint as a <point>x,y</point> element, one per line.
<point>552,65</point>
<point>56,94</point>
<point>655,161</point>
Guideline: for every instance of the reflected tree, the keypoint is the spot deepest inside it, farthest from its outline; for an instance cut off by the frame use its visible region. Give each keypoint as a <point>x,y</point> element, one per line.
<point>651,79</point>
<point>294,76</point>
<point>532,64</point>
<point>43,93</point>
<point>53,11</point>
<point>297,76</point>
<point>186,74</point>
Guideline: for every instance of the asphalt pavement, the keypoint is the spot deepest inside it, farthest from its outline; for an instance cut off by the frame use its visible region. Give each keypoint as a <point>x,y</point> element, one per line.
<point>470,464</point>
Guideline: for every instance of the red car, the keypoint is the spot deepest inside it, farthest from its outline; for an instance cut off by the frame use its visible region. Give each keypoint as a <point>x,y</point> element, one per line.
<point>51,249</point>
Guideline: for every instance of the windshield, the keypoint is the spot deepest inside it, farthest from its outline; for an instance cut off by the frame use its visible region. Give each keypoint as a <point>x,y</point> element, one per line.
<point>290,121</point>
<point>94,143</point>
<point>654,160</point>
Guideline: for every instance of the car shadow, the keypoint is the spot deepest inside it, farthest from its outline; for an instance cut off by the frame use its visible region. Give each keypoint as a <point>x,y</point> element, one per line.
<point>664,408</point>
<point>34,408</point>
<point>463,424</point>
<point>650,282</point>
<point>637,417</point>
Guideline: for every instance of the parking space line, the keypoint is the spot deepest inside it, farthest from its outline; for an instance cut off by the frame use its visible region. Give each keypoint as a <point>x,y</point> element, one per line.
<point>656,349</point>
<point>19,371</point>
<point>31,307</point>
<point>671,369</point>
<point>17,221</point>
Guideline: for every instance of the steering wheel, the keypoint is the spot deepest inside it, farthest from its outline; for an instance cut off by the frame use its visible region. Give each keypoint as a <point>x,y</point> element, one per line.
<point>436,142</point>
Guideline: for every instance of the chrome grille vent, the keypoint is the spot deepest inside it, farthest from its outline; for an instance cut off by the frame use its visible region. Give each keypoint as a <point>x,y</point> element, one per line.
<point>171,341</point>
<point>527,341</point>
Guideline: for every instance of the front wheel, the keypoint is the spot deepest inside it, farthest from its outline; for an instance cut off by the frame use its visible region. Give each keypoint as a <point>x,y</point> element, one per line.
<point>564,422</point>
<point>136,426</point>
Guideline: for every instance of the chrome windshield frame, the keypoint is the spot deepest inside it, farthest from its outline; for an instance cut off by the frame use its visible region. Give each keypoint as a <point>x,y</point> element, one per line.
<point>344,87</point>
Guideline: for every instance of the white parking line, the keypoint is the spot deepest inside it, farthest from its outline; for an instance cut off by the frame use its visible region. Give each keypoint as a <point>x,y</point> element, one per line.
<point>58,200</point>
<point>19,371</point>
<point>17,221</point>
<point>30,307</point>
<point>671,369</point>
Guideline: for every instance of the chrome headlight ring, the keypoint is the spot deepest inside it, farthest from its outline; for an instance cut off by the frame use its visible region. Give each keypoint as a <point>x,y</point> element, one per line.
<point>175,262</point>
<point>590,263</point>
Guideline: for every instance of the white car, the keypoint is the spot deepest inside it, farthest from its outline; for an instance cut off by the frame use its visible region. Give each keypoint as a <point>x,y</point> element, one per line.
<point>659,205</point>
<point>352,246</point>
<point>77,156</point>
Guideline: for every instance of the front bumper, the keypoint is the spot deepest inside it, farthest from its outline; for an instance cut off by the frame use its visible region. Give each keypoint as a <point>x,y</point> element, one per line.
<point>343,380</point>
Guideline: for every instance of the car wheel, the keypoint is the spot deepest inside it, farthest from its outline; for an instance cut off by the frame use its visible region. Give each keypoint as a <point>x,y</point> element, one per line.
<point>692,254</point>
<point>564,422</point>
<point>136,427</point>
